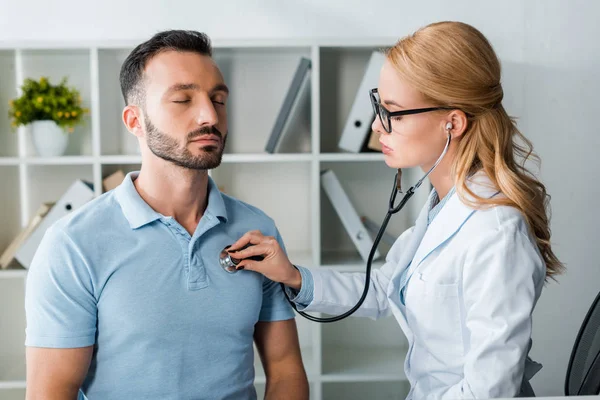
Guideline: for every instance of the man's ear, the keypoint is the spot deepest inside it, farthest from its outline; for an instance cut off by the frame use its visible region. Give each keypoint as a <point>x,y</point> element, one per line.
<point>133,120</point>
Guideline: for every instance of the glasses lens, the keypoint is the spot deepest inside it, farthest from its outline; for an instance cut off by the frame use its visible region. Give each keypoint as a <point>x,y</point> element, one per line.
<point>384,117</point>
<point>374,103</point>
<point>379,111</point>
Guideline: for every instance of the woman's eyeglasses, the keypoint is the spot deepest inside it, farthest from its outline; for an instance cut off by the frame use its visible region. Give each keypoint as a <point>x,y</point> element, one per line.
<point>385,116</point>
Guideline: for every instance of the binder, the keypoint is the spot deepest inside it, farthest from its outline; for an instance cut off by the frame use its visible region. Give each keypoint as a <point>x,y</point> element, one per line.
<point>9,254</point>
<point>291,108</point>
<point>348,215</point>
<point>373,228</point>
<point>79,193</point>
<point>361,116</point>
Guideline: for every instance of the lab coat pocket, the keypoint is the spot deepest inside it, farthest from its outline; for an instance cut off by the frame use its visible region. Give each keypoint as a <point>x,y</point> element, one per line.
<point>436,310</point>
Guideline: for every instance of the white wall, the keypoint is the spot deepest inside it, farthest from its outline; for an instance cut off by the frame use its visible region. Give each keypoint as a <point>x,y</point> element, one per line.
<point>551,58</point>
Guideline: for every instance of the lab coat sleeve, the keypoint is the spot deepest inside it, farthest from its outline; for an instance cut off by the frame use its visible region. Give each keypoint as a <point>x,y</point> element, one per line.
<point>335,293</point>
<point>502,278</point>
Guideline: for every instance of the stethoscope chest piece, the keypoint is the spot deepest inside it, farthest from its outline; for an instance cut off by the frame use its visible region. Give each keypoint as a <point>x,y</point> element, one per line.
<point>227,262</point>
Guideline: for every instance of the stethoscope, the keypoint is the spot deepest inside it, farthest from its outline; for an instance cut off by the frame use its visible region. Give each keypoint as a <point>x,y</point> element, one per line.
<point>228,263</point>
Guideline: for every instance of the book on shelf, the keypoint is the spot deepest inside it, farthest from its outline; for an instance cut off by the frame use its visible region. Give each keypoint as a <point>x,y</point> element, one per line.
<point>79,193</point>
<point>294,113</point>
<point>348,215</point>
<point>374,143</point>
<point>358,123</point>
<point>113,180</point>
<point>8,255</point>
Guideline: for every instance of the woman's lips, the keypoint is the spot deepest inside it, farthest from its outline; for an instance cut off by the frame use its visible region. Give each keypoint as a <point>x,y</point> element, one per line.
<point>385,149</point>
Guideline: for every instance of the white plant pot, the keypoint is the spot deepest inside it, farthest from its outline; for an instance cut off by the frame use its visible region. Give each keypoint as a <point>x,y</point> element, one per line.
<point>49,139</point>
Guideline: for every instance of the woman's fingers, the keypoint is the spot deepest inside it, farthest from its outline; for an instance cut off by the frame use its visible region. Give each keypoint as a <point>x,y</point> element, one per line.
<point>250,237</point>
<point>261,249</point>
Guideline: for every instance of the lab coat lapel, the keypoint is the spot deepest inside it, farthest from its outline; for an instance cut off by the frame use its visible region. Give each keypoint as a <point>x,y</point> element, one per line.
<point>409,252</point>
<point>404,262</point>
<point>449,220</point>
<point>453,215</point>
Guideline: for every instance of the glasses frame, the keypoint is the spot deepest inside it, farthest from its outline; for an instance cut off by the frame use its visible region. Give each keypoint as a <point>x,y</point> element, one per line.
<point>387,114</point>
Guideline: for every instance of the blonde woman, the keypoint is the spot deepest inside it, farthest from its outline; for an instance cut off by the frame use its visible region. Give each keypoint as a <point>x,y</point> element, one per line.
<point>464,280</point>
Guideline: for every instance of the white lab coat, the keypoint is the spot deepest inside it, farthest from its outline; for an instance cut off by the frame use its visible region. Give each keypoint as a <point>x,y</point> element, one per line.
<point>475,277</point>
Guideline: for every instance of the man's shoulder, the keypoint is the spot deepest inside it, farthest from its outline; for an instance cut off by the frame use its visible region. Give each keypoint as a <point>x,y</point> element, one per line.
<point>90,217</point>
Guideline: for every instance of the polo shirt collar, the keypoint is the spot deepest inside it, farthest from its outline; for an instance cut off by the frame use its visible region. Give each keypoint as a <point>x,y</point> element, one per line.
<point>139,213</point>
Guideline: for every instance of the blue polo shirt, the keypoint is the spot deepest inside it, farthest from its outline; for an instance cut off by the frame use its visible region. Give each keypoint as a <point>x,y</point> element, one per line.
<point>166,320</point>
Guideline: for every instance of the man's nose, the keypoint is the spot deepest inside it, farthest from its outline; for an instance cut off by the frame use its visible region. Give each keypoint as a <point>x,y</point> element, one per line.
<point>206,113</point>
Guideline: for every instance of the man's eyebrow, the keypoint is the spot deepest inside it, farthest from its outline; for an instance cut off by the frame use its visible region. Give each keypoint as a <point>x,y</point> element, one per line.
<point>221,87</point>
<point>192,86</point>
<point>182,86</point>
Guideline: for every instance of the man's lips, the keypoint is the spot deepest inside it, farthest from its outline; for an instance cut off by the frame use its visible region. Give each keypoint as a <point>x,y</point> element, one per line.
<point>207,138</point>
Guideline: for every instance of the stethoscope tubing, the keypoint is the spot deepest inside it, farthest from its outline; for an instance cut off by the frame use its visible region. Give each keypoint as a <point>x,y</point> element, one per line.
<point>392,209</point>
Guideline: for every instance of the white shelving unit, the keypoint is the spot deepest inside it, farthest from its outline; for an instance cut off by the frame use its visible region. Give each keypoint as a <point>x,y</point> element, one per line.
<point>350,359</point>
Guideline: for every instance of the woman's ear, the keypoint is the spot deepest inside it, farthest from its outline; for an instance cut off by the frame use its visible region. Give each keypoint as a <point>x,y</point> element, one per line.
<point>457,121</point>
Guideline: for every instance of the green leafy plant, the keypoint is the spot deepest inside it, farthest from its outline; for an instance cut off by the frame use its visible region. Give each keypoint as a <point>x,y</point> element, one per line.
<point>41,100</point>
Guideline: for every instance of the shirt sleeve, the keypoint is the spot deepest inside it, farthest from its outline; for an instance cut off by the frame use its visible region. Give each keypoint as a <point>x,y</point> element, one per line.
<point>60,305</point>
<point>306,294</point>
<point>275,306</point>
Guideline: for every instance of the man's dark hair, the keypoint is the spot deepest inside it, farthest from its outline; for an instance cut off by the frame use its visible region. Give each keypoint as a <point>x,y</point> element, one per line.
<point>132,70</point>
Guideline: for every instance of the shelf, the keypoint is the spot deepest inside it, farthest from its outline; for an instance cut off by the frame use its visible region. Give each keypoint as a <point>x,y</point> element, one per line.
<point>348,261</point>
<point>348,364</point>
<point>64,160</point>
<point>260,79</point>
<point>348,157</point>
<point>10,210</point>
<point>9,161</point>
<point>342,71</point>
<point>13,273</point>
<point>13,386</point>
<point>122,159</point>
<point>376,390</point>
<point>355,358</point>
<point>73,64</point>
<point>258,157</point>
<point>227,158</point>
<point>12,370</point>
<point>260,389</point>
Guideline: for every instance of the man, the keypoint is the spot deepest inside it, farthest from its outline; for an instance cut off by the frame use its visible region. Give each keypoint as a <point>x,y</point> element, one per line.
<point>125,297</point>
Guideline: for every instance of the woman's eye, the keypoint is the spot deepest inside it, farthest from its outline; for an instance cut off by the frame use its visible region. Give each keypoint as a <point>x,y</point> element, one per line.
<point>181,101</point>
<point>222,103</point>
<point>396,118</point>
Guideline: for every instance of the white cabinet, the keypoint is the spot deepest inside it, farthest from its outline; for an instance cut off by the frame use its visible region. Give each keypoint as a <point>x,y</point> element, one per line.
<point>351,359</point>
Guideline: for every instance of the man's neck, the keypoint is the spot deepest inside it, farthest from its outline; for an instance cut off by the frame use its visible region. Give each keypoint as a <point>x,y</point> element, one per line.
<point>174,191</point>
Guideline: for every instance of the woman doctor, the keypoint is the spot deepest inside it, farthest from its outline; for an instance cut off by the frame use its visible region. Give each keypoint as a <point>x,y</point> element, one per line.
<point>464,280</point>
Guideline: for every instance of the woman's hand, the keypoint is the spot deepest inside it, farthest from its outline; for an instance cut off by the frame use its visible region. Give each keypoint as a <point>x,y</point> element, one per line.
<point>275,265</point>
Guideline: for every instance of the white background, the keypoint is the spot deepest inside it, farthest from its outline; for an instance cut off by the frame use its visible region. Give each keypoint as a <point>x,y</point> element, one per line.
<point>551,60</point>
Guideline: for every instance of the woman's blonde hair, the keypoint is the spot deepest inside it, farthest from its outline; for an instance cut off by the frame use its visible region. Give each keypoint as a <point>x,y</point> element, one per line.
<point>453,64</point>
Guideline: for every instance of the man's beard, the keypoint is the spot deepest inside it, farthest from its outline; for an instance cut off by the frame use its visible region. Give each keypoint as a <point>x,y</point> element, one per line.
<point>169,149</point>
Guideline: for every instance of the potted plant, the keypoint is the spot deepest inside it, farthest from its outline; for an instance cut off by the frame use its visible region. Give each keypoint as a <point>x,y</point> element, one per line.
<point>52,111</point>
